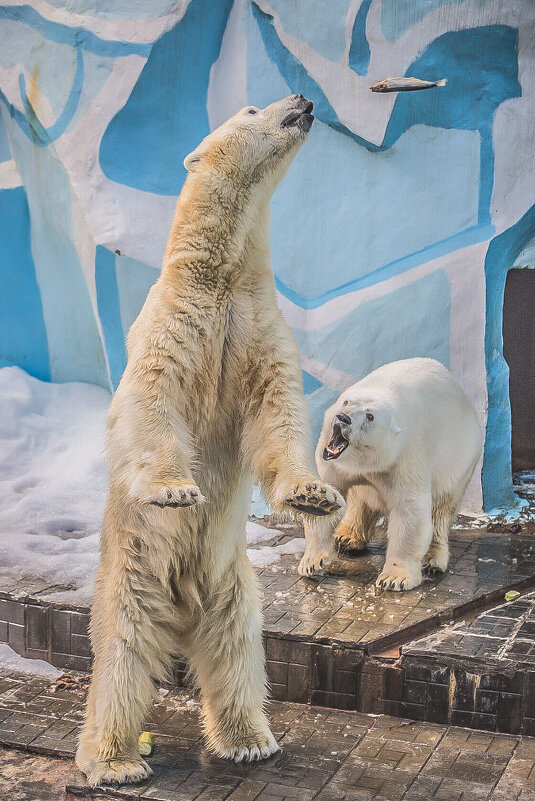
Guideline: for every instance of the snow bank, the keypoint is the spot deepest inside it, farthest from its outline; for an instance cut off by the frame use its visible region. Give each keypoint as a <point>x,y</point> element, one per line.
<point>53,485</point>
<point>267,555</point>
<point>11,662</point>
<point>52,479</point>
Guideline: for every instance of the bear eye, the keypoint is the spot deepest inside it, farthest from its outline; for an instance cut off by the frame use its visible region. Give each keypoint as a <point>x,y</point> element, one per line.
<point>252,111</point>
<point>369,416</point>
<point>345,403</point>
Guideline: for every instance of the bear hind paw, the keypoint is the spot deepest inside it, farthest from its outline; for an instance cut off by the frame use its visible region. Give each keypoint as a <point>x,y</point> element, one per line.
<point>118,771</point>
<point>434,565</point>
<point>348,543</point>
<point>250,749</point>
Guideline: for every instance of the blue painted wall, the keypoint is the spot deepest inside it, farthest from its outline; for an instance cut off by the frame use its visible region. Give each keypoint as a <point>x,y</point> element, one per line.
<point>391,235</point>
<point>166,113</point>
<point>501,255</point>
<point>23,337</point>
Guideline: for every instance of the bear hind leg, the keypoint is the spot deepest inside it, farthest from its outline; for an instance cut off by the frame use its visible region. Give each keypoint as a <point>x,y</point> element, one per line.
<point>356,528</point>
<point>227,657</point>
<point>121,691</point>
<point>438,554</point>
<point>129,653</point>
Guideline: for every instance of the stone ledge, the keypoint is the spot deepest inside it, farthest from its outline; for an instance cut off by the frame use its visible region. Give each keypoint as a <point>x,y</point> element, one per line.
<point>325,639</point>
<point>479,673</point>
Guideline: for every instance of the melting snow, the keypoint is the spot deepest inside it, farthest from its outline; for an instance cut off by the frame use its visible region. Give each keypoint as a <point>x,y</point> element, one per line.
<point>10,662</point>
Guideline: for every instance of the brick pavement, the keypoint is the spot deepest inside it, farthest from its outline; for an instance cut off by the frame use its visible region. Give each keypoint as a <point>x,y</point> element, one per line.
<point>318,633</point>
<point>329,755</point>
<point>341,608</point>
<point>478,673</point>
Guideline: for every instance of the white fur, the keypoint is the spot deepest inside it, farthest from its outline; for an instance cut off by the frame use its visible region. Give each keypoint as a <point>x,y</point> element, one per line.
<point>412,462</point>
<point>210,399</point>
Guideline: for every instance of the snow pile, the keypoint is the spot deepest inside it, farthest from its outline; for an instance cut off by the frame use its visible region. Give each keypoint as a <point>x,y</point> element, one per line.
<point>11,662</point>
<point>52,479</point>
<point>264,555</point>
<point>53,485</point>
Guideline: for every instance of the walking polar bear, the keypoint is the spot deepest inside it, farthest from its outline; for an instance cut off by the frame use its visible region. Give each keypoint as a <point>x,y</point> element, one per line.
<point>211,397</point>
<point>403,442</point>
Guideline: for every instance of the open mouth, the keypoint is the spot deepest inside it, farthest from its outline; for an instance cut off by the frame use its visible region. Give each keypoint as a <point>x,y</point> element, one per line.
<point>300,117</point>
<point>337,443</point>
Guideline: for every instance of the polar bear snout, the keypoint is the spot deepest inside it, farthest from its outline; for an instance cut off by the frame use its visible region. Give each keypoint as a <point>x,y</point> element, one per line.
<point>339,438</point>
<point>299,115</point>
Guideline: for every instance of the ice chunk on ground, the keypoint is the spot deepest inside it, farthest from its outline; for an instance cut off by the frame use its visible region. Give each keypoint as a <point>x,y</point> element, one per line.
<point>267,555</point>
<point>11,662</point>
<point>256,533</point>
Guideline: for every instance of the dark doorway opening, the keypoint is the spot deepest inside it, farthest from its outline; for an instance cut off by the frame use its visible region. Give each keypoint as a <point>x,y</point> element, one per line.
<point>519,353</point>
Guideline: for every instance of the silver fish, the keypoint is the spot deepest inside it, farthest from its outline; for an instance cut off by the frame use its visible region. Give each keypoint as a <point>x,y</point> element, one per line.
<point>404,84</point>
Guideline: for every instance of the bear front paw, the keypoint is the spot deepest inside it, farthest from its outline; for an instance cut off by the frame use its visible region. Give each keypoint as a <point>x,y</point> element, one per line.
<point>399,576</point>
<point>174,494</point>
<point>314,498</point>
<point>313,561</point>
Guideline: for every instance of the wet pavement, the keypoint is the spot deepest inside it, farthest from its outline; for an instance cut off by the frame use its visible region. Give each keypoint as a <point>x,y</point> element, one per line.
<point>344,607</point>
<point>326,754</point>
<point>321,634</point>
<point>502,639</point>
<point>341,607</point>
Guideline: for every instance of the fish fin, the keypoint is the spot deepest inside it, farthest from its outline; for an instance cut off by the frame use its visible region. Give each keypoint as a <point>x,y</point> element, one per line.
<point>442,82</point>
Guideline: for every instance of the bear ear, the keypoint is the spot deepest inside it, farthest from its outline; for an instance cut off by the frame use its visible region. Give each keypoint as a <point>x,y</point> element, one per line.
<point>196,157</point>
<point>192,161</point>
<point>395,428</point>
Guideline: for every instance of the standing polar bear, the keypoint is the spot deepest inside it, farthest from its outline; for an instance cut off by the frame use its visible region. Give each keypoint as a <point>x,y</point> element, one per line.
<point>403,442</point>
<point>210,399</point>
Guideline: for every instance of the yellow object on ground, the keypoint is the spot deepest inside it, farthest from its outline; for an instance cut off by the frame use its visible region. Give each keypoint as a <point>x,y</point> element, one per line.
<point>511,595</point>
<point>146,743</point>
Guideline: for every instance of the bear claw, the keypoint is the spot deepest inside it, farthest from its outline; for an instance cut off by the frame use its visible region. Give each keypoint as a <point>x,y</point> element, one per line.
<point>174,495</point>
<point>398,577</point>
<point>314,498</point>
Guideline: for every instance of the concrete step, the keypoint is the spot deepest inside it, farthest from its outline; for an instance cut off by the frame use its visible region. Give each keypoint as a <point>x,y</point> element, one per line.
<point>478,673</point>
<point>331,640</point>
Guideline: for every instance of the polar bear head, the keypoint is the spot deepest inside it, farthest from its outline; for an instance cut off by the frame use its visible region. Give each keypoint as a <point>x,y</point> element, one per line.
<point>364,433</point>
<point>256,145</point>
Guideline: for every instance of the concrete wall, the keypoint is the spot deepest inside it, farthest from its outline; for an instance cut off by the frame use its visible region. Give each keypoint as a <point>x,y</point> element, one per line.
<point>391,236</point>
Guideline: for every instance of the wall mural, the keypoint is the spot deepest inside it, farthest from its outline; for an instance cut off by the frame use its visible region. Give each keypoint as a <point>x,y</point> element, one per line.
<point>391,237</point>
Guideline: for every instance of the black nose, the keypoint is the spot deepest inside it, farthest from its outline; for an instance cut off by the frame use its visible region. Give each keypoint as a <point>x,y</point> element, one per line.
<point>344,418</point>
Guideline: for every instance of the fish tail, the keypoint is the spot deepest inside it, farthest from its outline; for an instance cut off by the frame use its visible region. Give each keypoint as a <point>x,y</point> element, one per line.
<point>442,82</point>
